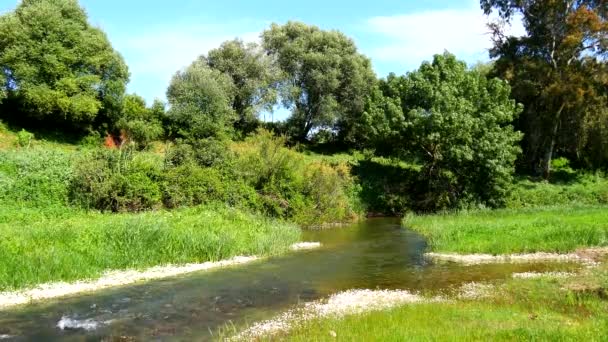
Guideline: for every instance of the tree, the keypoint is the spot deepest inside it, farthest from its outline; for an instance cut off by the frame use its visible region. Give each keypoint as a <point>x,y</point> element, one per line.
<point>141,124</point>
<point>201,102</point>
<point>556,70</point>
<point>457,123</point>
<point>254,77</point>
<point>56,67</point>
<point>326,79</point>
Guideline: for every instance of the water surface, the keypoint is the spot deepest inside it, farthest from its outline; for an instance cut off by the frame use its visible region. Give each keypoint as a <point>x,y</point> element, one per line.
<point>375,254</point>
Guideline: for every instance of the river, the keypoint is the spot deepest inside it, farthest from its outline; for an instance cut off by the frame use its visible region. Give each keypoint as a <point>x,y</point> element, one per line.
<point>374,254</point>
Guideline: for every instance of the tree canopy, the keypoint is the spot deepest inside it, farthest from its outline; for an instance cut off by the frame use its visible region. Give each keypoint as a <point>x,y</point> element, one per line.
<point>557,70</point>
<point>326,81</point>
<point>201,101</point>
<point>253,75</point>
<point>55,66</point>
<point>456,122</point>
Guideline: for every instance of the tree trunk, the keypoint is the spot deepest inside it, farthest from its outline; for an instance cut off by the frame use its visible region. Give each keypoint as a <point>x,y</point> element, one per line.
<point>550,148</point>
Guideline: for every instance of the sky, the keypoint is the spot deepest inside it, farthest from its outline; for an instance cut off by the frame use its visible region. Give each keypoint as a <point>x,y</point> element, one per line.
<point>159,37</point>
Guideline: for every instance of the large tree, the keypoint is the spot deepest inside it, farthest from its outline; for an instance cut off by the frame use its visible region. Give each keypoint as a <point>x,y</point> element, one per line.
<point>456,123</point>
<point>557,70</point>
<point>326,78</point>
<point>200,100</point>
<point>56,67</point>
<point>254,77</point>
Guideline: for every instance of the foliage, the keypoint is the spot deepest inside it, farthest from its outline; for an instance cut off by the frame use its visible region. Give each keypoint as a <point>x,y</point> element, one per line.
<point>24,138</point>
<point>80,245</point>
<point>457,124</point>
<point>35,177</point>
<point>57,67</point>
<point>118,181</point>
<point>141,125</point>
<point>558,71</point>
<point>200,101</point>
<point>326,79</point>
<point>253,75</point>
<point>557,229</point>
<point>579,189</point>
<point>309,192</point>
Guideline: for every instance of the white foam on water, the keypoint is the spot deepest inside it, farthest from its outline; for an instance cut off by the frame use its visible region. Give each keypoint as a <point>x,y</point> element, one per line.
<point>66,323</point>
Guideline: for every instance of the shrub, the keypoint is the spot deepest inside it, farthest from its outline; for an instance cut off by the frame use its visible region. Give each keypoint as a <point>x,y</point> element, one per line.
<point>117,180</point>
<point>35,177</point>
<point>308,192</point>
<point>205,152</point>
<point>24,138</point>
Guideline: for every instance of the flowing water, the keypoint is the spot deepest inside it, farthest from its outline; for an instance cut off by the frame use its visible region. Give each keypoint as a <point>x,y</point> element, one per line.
<point>375,254</point>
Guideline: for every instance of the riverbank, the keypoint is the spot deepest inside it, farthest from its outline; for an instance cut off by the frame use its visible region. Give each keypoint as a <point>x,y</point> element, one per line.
<point>550,308</point>
<point>554,229</point>
<point>555,305</point>
<point>66,245</point>
<point>534,306</point>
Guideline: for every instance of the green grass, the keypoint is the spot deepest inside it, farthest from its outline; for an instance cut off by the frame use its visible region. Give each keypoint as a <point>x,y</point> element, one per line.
<point>60,244</point>
<point>575,189</point>
<point>557,229</point>
<point>522,310</point>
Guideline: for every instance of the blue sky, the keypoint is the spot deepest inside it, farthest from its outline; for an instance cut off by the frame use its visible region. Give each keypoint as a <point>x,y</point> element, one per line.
<point>159,37</point>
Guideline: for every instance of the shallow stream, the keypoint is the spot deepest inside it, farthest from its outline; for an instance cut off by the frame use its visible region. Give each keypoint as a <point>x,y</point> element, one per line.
<point>375,254</point>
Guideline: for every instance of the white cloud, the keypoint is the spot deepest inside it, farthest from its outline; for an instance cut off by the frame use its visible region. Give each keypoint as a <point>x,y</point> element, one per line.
<point>409,39</point>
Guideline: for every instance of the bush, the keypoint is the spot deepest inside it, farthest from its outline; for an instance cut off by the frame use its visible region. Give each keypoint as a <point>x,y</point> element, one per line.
<point>308,192</point>
<point>205,152</point>
<point>35,177</point>
<point>190,185</point>
<point>118,181</point>
<point>24,138</point>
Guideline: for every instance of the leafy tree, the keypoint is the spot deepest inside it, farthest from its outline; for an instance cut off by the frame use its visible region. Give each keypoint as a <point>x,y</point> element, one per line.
<point>326,79</point>
<point>141,124</point>
<point>201,102</point>
<point>457,123</point>
<point>254,77</point>
<point>55,66</point>
<point>557,70</point>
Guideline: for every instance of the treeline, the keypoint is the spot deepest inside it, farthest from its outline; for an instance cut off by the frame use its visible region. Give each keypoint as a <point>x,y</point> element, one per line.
<point>465,129</point>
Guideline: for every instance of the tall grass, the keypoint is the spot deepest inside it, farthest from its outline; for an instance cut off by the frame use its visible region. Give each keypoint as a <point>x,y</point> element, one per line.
<point>63,245</point>
<point>557,229</point>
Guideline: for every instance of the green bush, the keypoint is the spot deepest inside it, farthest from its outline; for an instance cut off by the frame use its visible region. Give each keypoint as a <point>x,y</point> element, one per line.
<point>204,152</point>
<point>190,185</point>
<point>24,138</point>
<point>35,177</point>
<point>289,186</point>
<point>118,181</point>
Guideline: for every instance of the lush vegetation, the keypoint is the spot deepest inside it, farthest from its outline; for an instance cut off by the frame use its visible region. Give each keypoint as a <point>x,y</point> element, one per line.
<point>55,244</point>
<point>105,167</point>
<point>557,229</point>
<point>536,309</point>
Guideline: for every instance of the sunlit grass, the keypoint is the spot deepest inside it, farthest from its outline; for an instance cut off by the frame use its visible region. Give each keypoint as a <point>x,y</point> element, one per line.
<point>558,229</point>
<point>520,310</point>
<point>62,244</point>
